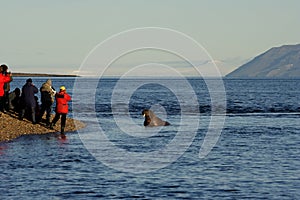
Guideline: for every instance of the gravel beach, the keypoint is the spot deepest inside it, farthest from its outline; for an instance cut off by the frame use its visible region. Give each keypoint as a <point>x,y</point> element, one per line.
<point>11,127</point>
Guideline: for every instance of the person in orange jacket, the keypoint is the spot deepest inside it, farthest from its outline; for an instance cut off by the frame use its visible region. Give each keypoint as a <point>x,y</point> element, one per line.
<point>61,109</point>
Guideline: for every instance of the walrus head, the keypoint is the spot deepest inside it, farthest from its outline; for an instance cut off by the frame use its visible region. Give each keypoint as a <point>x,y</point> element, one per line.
<point>152,120</point>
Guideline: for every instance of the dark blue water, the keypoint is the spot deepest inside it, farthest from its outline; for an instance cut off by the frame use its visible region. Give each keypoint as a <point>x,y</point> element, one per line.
<point>257,155</point>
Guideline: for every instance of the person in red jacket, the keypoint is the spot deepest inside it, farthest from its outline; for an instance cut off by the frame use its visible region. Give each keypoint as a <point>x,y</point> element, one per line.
<point>62,108</point>
<point>4,78</point>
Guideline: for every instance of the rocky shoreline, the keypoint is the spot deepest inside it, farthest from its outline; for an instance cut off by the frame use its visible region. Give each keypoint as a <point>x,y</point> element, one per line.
<point>11,127</point>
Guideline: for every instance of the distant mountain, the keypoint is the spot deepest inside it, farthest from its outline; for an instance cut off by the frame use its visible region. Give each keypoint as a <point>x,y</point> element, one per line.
<point>278,62</point>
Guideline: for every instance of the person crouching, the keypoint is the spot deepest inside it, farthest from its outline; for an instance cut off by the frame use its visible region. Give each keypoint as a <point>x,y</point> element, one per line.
<point>61,109</point>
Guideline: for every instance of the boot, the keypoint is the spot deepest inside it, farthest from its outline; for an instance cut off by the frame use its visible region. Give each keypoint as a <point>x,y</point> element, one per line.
<point>21,115</point>
<point>62,129</point>
<point>62,132</point>
<point>48,122</point>
<point>51,126</point>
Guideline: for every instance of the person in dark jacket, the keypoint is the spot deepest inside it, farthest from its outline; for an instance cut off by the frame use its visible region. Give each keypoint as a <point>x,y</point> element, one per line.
<point>47,99</point>
<point>61,109</point>
<point>28,99</point>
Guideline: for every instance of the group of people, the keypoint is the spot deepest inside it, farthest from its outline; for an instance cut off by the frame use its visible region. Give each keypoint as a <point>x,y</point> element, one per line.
<point>25,101</point>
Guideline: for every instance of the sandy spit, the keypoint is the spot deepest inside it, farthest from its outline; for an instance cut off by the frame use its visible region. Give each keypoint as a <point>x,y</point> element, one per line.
<point>11,127</point>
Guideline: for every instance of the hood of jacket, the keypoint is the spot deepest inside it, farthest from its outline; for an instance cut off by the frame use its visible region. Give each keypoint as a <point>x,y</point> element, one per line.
<point>49,82</point>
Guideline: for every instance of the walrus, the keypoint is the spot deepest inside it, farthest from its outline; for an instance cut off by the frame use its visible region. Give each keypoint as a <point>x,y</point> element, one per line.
<point>152,120</point>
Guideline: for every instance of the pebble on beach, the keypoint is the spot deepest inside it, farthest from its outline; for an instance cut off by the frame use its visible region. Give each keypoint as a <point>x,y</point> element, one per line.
<point>11,127</point>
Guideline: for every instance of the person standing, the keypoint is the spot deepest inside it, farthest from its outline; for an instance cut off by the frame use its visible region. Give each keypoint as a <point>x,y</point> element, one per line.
<point>27,97</point>
<point>61,109</point>
<point>4,78</point>
<point>6,86</point>
<point>47,99</point>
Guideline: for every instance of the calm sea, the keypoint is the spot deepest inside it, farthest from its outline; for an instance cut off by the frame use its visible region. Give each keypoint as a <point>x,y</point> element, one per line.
<point>256,156</point>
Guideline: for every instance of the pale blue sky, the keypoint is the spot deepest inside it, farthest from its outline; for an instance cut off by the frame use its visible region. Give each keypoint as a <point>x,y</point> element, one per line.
<point>55,36</point>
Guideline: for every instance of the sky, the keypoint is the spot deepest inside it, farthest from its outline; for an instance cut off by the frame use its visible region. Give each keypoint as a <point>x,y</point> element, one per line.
<point>57,36</point>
